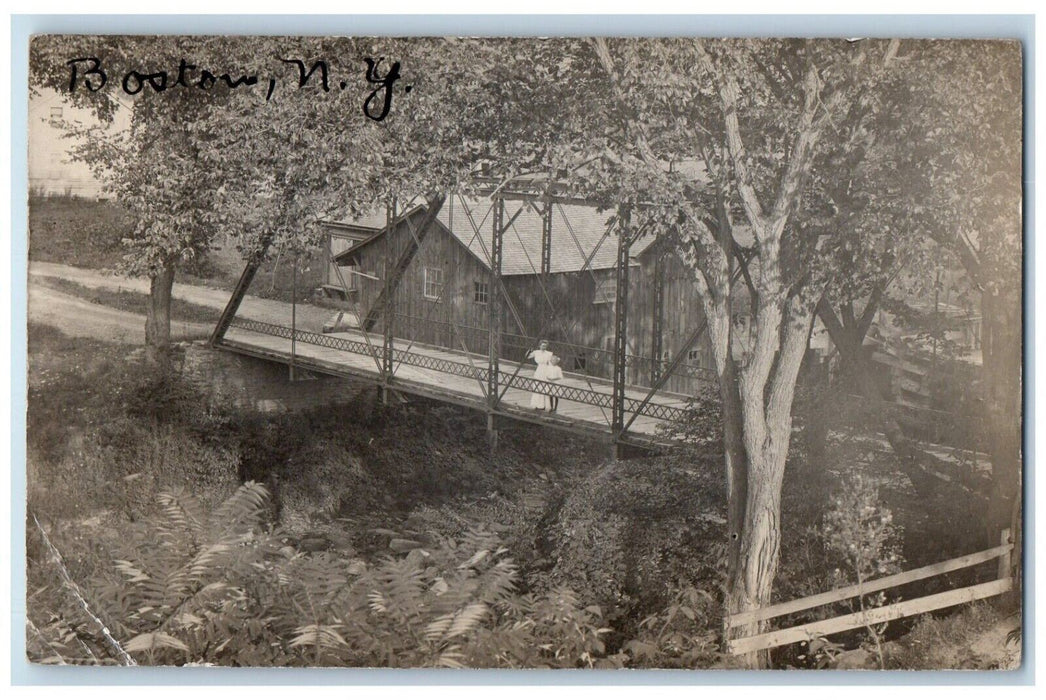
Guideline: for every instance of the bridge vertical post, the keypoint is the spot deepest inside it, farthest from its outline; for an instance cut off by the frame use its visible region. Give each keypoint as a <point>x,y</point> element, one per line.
<point>657,341</point>
<point>388,310</point>
<point>494,320</point>
<point>546,239</point>
<point>617,423</point>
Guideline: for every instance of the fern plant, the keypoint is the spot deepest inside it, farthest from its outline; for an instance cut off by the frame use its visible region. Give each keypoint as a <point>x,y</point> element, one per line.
<point>179,585</point>
<point>191,586</point>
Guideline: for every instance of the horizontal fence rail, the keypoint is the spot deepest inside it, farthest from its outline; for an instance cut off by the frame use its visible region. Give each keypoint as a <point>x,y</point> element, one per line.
<point>874,586</point>
<point>591,397</point>
<point>873,616</point>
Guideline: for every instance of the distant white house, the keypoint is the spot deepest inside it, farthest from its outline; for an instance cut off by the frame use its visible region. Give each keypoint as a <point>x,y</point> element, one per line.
<point>51,169</point>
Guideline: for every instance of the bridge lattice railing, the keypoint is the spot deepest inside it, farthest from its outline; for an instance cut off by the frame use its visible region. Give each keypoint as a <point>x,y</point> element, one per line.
<point>463,369</point>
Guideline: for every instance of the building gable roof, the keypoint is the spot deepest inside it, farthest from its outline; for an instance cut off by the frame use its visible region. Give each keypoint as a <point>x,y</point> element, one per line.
<point>579,232</point>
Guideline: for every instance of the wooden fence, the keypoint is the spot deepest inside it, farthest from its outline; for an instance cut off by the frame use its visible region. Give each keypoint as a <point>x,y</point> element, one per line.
<point>873,616</point>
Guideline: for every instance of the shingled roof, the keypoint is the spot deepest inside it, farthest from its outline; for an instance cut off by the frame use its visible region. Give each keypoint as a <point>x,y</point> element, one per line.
<point>577,231</point>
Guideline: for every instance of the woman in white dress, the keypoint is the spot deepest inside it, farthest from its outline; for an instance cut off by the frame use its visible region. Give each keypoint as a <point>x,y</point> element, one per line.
<point>541,356</point>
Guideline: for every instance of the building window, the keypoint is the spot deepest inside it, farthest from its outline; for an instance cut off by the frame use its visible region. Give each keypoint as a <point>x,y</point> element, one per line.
<point>481,292</point>
<point>56,113</point>
<point>432,283</point>
<point>580,362</point>
<point>693,355</point>
<point>606,291</point>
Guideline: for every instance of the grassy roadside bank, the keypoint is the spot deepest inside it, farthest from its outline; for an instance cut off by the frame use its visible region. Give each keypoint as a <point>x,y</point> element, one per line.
<point>132,302</point>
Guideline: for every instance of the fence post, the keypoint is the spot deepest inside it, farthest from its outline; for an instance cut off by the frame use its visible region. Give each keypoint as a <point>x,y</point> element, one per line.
<point>1005,559</point>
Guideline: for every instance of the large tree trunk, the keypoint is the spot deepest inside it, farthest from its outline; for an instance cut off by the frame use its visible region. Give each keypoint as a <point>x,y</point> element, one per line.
<point>158,317</point>
<point>751,585</point>
<point>766,389</point>
<point>736,466</point>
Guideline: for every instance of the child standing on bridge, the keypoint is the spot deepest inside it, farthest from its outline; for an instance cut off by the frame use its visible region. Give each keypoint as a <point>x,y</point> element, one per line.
<point>541,356</point>
<point>553,374</point>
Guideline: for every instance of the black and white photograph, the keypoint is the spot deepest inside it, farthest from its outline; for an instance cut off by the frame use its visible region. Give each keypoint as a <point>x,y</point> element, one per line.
<point>585,353</point>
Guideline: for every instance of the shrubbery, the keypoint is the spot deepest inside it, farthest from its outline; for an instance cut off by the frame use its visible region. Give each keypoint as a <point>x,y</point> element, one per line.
<point>103,433</point>
<point>633,534</point>
<point>383,509</point>
<point>369,505</point>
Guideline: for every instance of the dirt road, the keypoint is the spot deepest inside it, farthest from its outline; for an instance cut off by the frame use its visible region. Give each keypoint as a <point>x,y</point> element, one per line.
<point>78,317</point>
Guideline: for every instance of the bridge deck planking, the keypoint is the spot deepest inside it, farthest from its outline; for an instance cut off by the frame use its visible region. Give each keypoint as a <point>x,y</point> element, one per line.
<point>458,389</point>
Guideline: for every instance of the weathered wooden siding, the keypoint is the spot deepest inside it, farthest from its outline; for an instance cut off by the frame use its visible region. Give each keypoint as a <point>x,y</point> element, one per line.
<point>682,315</point>
<point>339,240</point>
<point>582,331</point>
<point>426,320</point>
<point>563,310</point>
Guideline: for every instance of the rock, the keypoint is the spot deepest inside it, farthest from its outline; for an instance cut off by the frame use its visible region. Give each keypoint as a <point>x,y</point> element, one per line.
<point>314,542</point>
<point>384,532</point>
<point>341,541</point>
<point>397,544</point>
<point>856,659</point>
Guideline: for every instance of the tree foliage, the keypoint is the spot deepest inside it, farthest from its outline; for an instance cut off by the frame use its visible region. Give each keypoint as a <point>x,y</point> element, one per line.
<point>155,168</point>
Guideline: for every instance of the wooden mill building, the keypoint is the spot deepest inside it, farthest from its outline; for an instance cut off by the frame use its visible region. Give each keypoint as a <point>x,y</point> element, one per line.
<point>559,275</point>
